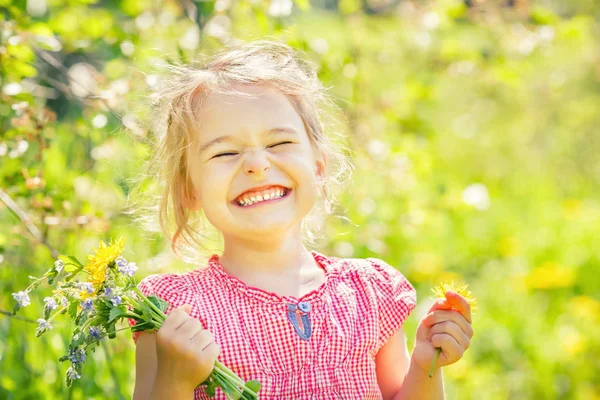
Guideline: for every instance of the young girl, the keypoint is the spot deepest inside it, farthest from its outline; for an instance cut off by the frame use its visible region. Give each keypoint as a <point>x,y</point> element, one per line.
<point>243,144</point>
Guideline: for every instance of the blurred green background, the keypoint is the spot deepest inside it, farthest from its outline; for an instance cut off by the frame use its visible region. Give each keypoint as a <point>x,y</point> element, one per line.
<point>474,129</point>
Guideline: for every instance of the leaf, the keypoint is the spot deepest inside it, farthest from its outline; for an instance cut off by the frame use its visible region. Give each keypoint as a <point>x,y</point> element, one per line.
<point>110,329</point>
<point>71,275</point>
<point>51,276</point>
<point>115,313</point>
<point>77,340</point>
<point>211,386</point>
<point>144,312</point>
<point>81,317</point>
<point>253,385</point>
<point>69,261</point>
<point>142,326</point>
<point>73,310</point>
<point>47,312</point>
<point>158,302</point>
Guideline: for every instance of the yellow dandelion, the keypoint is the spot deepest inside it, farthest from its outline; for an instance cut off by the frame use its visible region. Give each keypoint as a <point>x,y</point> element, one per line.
<point>440,292</point>
<point>98,262</point>
<point>463,290</point>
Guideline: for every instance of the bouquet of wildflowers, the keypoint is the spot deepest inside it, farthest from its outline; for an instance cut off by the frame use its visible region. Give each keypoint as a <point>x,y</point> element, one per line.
<point>107,294</point>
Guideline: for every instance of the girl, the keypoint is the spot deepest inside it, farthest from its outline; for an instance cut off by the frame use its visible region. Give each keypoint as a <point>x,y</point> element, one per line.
<point>243,144</point>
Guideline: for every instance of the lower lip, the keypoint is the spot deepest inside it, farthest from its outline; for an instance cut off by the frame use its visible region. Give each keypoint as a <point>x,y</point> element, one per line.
<point>288,191</point>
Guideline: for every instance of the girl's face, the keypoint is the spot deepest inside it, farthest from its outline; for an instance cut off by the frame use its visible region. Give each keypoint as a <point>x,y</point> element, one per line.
<point>247,143</point>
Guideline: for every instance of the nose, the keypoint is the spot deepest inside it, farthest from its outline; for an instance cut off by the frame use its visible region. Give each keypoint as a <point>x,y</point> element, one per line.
<point>256,162</point>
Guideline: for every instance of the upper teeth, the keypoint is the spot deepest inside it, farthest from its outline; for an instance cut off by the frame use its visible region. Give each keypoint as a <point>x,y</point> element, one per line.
<point>250,199</point>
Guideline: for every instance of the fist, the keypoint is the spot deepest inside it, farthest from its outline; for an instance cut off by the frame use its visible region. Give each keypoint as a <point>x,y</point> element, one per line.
<point>186,351</point>
<point>448,326</point>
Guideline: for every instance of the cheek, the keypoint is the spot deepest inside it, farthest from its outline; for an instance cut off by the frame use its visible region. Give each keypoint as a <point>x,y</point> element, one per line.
<point>212,184</point>
<point>300,162</point>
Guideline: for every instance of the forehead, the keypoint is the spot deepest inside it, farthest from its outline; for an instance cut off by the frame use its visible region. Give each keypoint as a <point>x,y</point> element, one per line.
<point>245,109</point>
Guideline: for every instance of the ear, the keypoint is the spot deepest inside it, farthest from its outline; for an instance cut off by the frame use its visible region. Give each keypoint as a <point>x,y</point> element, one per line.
<point>320,167</point>
<point>189,201</point>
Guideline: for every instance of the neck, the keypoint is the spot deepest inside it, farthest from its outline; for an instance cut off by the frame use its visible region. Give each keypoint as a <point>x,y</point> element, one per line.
<point>276,256</point>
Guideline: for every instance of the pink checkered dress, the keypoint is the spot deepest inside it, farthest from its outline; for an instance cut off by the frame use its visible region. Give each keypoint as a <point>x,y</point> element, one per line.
<point>319,346</point>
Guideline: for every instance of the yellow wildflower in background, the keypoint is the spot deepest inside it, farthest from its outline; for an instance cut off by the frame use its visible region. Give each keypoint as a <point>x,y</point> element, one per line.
<point>98,262</point>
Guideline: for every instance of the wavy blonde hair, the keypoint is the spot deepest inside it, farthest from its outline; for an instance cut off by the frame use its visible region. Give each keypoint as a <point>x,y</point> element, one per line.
<point>160,203</point>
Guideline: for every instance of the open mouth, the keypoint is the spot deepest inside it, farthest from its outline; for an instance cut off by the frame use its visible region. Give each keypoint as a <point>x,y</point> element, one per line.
<point>271,196</point>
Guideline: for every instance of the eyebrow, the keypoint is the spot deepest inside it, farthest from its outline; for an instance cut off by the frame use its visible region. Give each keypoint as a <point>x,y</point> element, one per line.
<point>228,138</point>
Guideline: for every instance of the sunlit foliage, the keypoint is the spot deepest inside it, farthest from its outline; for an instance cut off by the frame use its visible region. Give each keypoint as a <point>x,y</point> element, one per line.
<point>474,128</point>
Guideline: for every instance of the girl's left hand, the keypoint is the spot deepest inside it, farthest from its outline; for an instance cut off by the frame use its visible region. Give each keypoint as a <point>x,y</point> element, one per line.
<point>446,325</point>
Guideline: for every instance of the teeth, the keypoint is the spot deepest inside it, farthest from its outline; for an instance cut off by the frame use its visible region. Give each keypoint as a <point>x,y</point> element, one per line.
<point>247,201</point>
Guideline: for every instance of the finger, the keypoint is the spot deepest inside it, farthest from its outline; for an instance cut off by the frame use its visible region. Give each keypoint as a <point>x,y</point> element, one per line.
<point>448,315</point>
<point>203,339</point>
<point>210,354</point>
<point>440,304</point>
<point>186,308</point>
<point>459,303</point>
<point>189,328</point>
<point>178,316</point>
<point>174,320</point>
<point>450,347</point>
<point>430,319</point>
<point>453,330</point>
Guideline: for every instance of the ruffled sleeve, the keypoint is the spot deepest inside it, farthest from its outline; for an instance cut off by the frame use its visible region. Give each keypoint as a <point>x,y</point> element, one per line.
<point>395,298</point>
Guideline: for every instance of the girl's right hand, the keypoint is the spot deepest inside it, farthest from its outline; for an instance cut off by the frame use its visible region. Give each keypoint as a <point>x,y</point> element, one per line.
<point>186,352</point>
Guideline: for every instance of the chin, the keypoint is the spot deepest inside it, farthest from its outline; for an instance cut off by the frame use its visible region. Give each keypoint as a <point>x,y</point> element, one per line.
<point>261,228</point>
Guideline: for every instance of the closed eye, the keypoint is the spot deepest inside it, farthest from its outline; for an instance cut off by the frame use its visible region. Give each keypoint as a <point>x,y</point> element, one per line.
<point>273,145</point>
<point>233,154</point>
<point>225,154</point>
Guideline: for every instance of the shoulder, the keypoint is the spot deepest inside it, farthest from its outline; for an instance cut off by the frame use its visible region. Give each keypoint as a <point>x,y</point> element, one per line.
<point>369,268</point>
<point>376,275</point>
<point>160,284</point>
<point>175,288</point>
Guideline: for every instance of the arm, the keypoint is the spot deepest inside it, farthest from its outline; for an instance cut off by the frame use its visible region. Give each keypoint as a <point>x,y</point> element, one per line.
<point>147,384</point>
<point>418,385</point>
<point>391,365</point>
<point>401,379</point>
<point>145,366</point>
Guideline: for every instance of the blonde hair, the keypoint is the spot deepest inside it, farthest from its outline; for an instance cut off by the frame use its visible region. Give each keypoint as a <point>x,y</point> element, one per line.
<point>173,124</point>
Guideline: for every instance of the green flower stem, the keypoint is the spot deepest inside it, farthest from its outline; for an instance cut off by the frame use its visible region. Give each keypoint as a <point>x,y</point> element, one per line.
<point>229,374</point>
<point>105,335</point>
<point>35,283</point>
<point>56,313</point>
<point>222,369</point>
<point>226,386</point>
<point>158,316</point>
<point>145,300</point>
<point>88,323</point>
<point>435,357</point>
